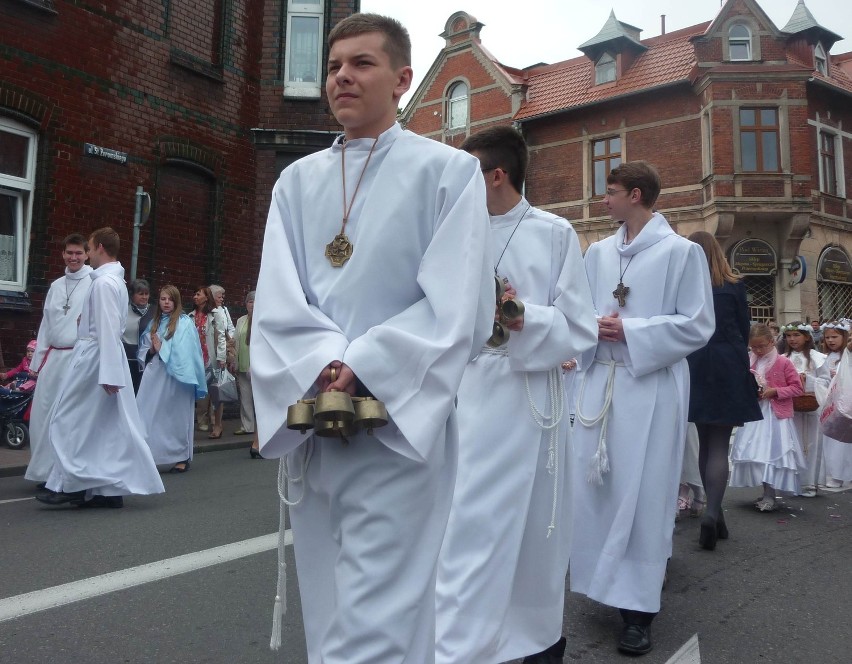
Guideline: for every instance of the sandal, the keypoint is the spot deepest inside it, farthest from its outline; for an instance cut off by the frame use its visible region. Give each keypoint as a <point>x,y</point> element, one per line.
<point>185,468</point>
<point>764,505</point>
<point>215,435</point>
<point>697,508</point>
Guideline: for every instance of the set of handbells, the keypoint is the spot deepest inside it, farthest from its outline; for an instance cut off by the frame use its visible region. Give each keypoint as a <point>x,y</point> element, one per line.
<point>337,415</point>
<point>508,310</point>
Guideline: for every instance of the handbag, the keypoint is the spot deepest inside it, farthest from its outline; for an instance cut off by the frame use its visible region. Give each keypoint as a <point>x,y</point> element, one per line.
<point>805,403</point>
<point>226,384</point>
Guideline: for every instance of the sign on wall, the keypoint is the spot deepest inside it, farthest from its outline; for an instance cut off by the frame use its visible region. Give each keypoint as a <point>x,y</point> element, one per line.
<point>104,153</point>
<point>753,256</point>
<point>834,266</point>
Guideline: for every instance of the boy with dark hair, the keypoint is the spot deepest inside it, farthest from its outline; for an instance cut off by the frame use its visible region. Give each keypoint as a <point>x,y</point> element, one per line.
<point>501,574</point>
<point>353,295</point>
<point>627,460</point>
<point>103,456</point>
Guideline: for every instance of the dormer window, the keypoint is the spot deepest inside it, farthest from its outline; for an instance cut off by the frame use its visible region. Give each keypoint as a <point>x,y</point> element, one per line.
<point>605,69</point>
<point>820,60</point>
<point>457,106</point>
<point>739,43</point>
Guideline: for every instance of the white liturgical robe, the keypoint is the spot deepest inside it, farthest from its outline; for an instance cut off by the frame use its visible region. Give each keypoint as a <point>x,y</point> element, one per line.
<point>407,312</point>
<point>623,526</point>
<point>55,345</point>
<point>501,574</point>
<point>97,438</point>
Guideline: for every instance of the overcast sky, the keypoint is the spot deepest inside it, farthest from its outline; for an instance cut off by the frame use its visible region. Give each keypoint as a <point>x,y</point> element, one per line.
<point>550,30</point>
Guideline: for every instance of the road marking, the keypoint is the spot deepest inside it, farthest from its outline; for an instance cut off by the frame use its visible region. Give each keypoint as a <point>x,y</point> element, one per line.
<point>49,598</point>
<point>15,500</point>
<point>688,653</point>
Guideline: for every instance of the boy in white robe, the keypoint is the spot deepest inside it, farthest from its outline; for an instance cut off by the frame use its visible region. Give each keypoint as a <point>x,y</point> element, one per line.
<point>652,293</point>
<point>54,347</point>
<point>374,278</point>
<point>501,574</point>
<point>95,433</point>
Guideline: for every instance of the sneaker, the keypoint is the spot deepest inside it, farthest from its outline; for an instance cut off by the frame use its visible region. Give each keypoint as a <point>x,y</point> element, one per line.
<point>831,483</point>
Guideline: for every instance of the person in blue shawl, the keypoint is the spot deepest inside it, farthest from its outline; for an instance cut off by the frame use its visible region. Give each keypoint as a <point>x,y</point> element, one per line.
<point>172,379</point>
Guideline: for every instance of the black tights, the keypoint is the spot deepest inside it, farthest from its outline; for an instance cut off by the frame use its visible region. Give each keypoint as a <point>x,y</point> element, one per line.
<point>713,441</point>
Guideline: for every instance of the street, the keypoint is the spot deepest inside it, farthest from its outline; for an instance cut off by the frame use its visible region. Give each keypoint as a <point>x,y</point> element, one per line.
<point>778,591</point>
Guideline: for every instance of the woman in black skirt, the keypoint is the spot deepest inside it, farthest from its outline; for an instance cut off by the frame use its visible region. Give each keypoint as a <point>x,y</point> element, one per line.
<point>723,393</point>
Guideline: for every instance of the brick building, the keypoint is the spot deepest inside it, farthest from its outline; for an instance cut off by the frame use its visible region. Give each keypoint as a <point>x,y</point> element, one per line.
<point>750,126</point>
<point>199,103</point>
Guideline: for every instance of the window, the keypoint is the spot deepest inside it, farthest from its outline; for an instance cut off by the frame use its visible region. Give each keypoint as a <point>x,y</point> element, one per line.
<point>827,163</point>
<point>739,42</point>
<point>17,180</point>
<point>303,48</point>
<point>457,106</point>
<point>759,139</point>
<point>606,155</point>
<point>605,69</point>
<point>820,60</point>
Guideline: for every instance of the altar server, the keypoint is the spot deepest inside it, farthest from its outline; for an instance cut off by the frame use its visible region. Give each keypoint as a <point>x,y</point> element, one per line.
<point>94,431</point>
<point>375,277</point>
<point>55,343</point>
<point>652,291</point>
<point>501,574</point>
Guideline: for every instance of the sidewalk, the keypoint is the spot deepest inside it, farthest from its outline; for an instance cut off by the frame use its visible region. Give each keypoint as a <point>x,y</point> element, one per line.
<point>14,462</point>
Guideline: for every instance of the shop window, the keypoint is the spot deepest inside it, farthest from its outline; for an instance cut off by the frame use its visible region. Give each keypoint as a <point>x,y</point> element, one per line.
<point>303,48</point>
<point>606,155</point>
<point>17,182</point>
<point>759,140</point>
<point>760,295</point>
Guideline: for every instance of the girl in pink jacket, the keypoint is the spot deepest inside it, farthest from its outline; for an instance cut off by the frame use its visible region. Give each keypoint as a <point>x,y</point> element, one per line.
<point>767,452</point>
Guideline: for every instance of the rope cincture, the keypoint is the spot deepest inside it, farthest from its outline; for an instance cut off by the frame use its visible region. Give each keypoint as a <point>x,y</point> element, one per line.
<point>556,392</point>
<point>280,605</point>
<point>600,460</point>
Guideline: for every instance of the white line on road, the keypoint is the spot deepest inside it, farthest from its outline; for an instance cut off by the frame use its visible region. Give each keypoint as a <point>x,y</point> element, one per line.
<point>16,500</point>
<point>49,598</point>
<point>688,653</point>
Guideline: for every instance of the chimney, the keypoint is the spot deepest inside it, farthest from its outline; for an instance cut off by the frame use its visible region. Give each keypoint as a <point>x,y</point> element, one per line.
<point>662,24</point>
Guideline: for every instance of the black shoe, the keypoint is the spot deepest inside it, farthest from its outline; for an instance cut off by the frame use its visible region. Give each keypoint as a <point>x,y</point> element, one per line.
<point>114,502</point>
<point>60,497</point>
<point>635,640</point>
<point>709,533</point>
<point>41,486</point>
<point>255,453</point>
<point>553,655</point>
<point>721,528</point>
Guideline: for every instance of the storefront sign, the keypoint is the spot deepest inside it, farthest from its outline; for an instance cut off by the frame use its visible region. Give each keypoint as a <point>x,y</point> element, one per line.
<point>834,266</point>
<point>749,257</point>
<point>104,153</point>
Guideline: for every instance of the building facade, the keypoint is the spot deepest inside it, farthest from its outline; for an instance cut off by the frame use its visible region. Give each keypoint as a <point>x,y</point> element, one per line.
<point>748,124</point>
<point>199,103</point>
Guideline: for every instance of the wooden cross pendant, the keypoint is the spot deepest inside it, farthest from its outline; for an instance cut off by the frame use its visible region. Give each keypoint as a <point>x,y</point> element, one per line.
<point>620,293</point>
<point>65,308</point>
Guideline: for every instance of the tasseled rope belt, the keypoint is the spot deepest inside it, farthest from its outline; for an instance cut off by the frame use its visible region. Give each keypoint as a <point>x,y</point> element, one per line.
<point>600,460</point>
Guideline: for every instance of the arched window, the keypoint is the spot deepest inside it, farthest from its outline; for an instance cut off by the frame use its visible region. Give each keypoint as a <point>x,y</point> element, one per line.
<point>739,42</point>
<point>457,106</point>
<point>605,69</point>
<point>820,60</point>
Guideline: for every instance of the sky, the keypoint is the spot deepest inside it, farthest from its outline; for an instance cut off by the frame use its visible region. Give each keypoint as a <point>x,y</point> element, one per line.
<point>550,30</point>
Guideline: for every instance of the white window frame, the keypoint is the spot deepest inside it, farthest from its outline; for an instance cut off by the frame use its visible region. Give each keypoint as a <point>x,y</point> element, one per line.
<point>296,9</point>
<point>820,57</point>
<point>839,173</point>
<point>453,102</point>
<point>607,66</point>
<point>747,41</point>
<point>21,188</point>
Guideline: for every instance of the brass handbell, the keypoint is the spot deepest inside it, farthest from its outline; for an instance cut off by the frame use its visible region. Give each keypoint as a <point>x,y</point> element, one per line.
<point>370,414</point>
<point>512,309</point>
<point>499,335</point>
<point>300,416</point>
<point>335,428</point>
<point>334,407</point>
<point>499,288</point>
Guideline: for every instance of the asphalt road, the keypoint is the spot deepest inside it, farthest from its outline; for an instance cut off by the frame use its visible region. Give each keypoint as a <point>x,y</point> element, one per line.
<point>778,591</point>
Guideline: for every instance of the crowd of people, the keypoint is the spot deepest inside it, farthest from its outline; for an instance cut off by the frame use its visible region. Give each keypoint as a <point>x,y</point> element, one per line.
<point>517,443</point>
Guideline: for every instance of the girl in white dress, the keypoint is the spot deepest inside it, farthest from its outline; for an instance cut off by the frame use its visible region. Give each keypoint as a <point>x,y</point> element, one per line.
<point>799,347</point>
<point>837,456</point>
<point>767,452</point>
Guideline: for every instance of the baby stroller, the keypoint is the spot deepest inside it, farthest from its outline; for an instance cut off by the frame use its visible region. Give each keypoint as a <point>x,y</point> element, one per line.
<point>15,405</point>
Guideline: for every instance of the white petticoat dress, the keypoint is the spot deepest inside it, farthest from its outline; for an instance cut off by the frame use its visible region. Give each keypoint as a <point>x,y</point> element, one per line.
<point>767,451</point>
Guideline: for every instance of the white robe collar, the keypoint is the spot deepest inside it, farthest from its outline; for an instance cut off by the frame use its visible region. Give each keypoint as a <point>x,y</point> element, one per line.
<point>83,272</point>
<point>655,230</point>
<point>513,216</point>
<point>109,268</point>
<point>386,138</point>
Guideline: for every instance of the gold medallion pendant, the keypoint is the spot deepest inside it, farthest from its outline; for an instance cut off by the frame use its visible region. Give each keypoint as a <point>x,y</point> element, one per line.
<point>339,250</point>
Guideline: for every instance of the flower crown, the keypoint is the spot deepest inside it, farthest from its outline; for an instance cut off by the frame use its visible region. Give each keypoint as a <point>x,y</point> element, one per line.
<point>797,328</point>
<point>837,325</point>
